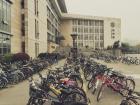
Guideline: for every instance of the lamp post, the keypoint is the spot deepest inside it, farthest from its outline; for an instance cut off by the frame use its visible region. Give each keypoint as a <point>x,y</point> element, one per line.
<point>74,48</point>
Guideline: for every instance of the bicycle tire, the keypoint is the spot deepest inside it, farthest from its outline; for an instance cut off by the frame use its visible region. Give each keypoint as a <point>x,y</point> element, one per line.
<point>88,76</point>
<point>129,102</point>
<point>32,101</point>
<point>69,98</point>
<point>92,85</point>
<point>133,83</point>
<point>80,81</point>
<point>100,93</point>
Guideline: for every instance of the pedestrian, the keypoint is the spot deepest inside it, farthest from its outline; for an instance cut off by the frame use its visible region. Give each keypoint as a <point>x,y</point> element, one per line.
<point>56,58</point>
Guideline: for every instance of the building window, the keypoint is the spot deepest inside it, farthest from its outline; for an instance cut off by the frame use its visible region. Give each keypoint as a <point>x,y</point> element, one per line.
<point>91,30</point>
<point>101,30</point>
<point>85,29</point>
<point>5,16</point>
<point>102,44</point>
<point>112,24</point>
<point>96,37</point>
<point>97,45</point>
<point>81,29</point>
<point>113,33</point>
<point>36,29</point>
<point>96,30</point>
<point>90,23</point>
<point>5,44</point>
<point>80,44</point>
<point>51,38</point>
<point>23,24</point>
<point>36,7</point>
<point>96,23</point>
<point>113,37</point>
<point>80,37</point>
<point>75,30</point>
<point>79,22</point>
<point>53,23</point>
<point>22,4</point>
<point>86,37</point>
<point>91,37</point>
<point>86,22</point>
<point>36,49</point>
<point>49,25</point>
<point>23,47</point>
<point>23,17</point>
<point>101,37</point>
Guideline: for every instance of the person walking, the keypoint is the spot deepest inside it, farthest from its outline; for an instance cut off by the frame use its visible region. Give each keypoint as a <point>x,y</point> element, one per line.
<point>56,58</point>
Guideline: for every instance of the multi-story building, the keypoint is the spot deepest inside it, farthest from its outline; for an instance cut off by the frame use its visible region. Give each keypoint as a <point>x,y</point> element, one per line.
<point>31,26</point>
<point>41,25</point>
<point>94,32</point>
<point>36,26</point>
<point>53,23</point>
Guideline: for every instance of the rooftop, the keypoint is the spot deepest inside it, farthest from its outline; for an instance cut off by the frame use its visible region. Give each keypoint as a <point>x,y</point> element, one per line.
<point>77,16</point>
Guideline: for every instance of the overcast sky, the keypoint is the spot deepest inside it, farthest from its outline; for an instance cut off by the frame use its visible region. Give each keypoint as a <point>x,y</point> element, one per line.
<point>127,10</point>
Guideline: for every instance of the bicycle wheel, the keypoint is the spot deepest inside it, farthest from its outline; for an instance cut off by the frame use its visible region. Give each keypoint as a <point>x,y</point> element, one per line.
<point>88,76</point>
<point>99,96</point>
<point>21,76</point>
<point>79,82</point>
<point>3,83</point>
<point>74,97</point>
<point>86,72</point>
<point>133,102</point>
<point>129,102</point>
<point>35,101</point>
<point>79,90</point>
<point>130,84</point>
<point>137,62</point>
<point>92,85</point>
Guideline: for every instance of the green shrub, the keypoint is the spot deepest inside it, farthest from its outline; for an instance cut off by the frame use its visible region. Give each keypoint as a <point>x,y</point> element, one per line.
<point>8,58</point>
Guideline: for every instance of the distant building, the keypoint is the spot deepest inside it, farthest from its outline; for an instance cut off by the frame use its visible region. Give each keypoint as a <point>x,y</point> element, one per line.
<point>92,31</point>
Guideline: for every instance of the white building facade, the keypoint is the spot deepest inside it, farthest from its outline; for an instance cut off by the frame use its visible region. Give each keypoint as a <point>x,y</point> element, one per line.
<point>94,32</point>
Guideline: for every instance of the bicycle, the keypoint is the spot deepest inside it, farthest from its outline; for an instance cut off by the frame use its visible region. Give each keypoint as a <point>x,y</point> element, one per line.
<point>131,98</point>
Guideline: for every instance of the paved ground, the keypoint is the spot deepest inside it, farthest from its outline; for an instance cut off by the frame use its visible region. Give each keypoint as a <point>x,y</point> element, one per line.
<point>18,95</point>
<point>110,97</point>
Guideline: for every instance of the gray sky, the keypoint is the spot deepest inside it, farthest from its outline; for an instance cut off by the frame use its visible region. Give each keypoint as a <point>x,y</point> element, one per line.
<point>127,10</point>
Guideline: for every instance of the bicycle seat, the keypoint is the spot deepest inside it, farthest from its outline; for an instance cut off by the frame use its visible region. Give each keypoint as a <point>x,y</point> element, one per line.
<point>63,87</point>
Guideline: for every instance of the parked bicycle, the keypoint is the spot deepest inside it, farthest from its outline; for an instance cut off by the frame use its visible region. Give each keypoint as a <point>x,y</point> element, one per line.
<point>59,86</point>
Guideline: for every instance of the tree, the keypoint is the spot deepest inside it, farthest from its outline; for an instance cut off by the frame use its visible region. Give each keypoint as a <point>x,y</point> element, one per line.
<point>109,47</point>
<point>116,45</point>
<point>87,46</point>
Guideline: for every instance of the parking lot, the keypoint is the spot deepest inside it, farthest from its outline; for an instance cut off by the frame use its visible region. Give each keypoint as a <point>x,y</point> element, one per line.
<point>18,94</point>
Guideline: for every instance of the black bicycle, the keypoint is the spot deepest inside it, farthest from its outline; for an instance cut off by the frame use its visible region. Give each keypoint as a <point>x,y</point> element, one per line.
<point>131,99</point>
